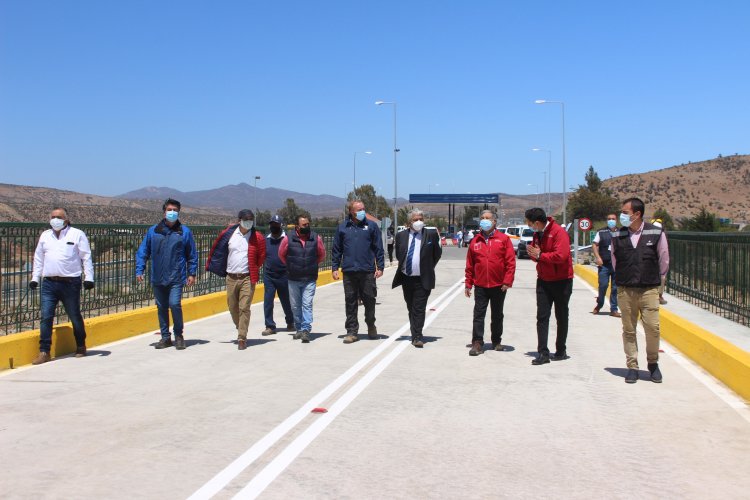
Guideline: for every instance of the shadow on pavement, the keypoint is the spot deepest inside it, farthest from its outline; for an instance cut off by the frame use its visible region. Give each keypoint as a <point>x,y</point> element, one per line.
<point>90,352</point>
<point>250,342</point>
<point>621,372</point>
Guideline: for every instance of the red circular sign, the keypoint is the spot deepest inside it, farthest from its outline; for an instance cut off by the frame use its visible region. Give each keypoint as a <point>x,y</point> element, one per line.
<point>584,224</point>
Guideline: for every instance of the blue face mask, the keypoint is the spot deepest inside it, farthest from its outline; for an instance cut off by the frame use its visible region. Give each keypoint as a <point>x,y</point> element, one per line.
<point>485,224</point>
<point>360,215</point>
<point>172,215</point>
<point>611,224</point>
<point>625,220</point>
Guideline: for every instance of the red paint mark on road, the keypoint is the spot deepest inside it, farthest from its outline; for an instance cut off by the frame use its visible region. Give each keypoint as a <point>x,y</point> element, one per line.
<point>319,410</point>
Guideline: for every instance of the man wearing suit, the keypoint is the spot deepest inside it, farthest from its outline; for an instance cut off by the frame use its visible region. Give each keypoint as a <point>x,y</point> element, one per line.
<point>418,251</point>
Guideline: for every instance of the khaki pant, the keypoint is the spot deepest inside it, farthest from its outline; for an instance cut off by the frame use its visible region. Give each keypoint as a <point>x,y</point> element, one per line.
<point>663,285</point>
<point>239,298</point>
<point>634,301</point>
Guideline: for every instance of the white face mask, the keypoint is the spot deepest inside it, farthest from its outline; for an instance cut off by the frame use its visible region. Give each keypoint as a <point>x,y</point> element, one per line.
<point>247,224</point>
<point>57,223</point>
<point>417,225</point>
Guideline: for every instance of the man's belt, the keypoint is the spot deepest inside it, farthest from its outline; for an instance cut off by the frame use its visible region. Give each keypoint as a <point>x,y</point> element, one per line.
<point>239,276</point>
<point>66,279</point>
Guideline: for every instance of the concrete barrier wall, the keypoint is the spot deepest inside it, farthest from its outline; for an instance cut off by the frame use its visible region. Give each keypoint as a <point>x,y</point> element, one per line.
<point>19,349</point>
<point>720,358</point>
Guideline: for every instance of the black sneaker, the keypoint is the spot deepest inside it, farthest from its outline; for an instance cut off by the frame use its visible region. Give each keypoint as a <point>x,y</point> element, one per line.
<point>655,372</point>
<point>179,342</point>
<point>164,343</point>
<point>305,336</point>
<point>542,359</point>
<point>632,376</point>
<point>559,356</point>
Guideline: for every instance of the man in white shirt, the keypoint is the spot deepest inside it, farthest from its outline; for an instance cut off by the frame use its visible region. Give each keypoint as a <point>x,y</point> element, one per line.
<point>61,256</point>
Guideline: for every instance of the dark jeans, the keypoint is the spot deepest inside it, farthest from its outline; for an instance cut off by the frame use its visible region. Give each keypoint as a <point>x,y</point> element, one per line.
<point>359,285</point>
<point>605,273</point>
<point>390,252</point>
<point>168,298</point>
<point>271,287</point>
<point>547,294</point>
<point>69,293</point>
<point>496,299</point>
<point>415,296</point>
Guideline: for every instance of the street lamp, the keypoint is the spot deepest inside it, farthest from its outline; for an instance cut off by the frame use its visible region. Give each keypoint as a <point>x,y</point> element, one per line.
<point>354,181</point>
<point>395,164</point>
<point>255,193</point>
<point>565,189</point>
<point>548,189</point>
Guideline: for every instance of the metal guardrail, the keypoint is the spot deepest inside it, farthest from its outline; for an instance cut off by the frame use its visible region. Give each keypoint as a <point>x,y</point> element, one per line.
<point>712,270</point>
<point>113,248</point>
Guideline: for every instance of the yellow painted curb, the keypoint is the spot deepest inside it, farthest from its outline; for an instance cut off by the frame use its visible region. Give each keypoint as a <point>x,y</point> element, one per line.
<point>720,358</point>
<point>19,349</point>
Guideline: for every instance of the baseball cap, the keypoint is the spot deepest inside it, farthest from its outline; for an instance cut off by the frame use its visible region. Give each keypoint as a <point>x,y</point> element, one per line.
<point>277,219</point>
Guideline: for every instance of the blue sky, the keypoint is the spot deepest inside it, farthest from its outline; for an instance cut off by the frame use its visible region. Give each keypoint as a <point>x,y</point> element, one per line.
<point>108,96</point>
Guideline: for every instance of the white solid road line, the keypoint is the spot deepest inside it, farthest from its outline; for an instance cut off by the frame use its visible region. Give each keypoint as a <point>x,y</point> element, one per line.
<point>269,473</point>
<point>224,477</point>
<point>720,390</point>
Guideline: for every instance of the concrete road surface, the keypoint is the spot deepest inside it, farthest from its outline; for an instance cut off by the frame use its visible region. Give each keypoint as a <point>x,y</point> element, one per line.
<point>129,421</point>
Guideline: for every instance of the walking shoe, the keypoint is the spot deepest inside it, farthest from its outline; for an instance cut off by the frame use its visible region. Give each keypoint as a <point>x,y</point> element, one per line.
<point>418,342</point>
<point>477,347</point>
<point>655,372</point>
<point>290,327</point>
<point>42,358</point>
<point>297,335</point>
<point>595,311</point>
<point>80,351</point>
<point>179,342</point>
<point>542,359</point>
<point>616,314</point>
<point>268,331</point>
<point>661,300</point>
<point>164,343</point>
<point>498,347</point>
<point>372,332</point>
<point>305,336</point>
<point>351,338</point>
<point>241,344</point>
<point>632,376</point>
<point>560,356</point>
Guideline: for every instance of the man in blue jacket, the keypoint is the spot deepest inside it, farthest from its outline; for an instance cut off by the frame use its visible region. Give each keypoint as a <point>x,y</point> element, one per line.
<point>174,263</point>
<point>358,250</point>
<point>275,280</point>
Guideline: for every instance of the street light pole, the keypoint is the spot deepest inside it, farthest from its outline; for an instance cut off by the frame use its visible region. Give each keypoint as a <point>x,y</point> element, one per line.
<point>395,164</point>
<point>565,189</point>
<point>354,180</point>
<point>255,193</point>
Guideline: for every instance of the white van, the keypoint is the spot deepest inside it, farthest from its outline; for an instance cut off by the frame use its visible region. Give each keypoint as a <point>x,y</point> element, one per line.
<point>518,233</point>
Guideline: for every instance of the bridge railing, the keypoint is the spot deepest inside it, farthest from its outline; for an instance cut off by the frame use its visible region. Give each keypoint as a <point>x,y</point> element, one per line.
<point>712,270</point>
<point>113,248</point>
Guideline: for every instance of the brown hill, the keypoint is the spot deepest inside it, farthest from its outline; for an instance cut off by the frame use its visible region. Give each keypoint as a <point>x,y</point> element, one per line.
<point>722,185</point>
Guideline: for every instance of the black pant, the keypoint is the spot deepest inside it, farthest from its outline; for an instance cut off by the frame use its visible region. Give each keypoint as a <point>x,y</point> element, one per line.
<point>496,298</point>
<point>390,252</point>
<point>415,296</point>
<point>359,285</point>
<point>548,293</point>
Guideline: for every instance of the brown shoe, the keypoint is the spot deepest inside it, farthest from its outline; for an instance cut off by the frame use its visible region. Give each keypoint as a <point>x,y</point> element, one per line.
<point>42,358</point>
<point>290,328</point>
<point>372,332</point>
<point>595,311</point>
<point>351,338</point>
<point>241,344</point>
<point>80,351</point>
<point>417,343</point>
<point>661,300</point>
<point>268,331</point>
<point>616,314</point>
<point>476,348</point>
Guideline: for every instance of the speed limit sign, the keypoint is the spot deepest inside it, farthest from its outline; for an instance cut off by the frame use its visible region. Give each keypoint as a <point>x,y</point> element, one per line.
<point>584,224</point>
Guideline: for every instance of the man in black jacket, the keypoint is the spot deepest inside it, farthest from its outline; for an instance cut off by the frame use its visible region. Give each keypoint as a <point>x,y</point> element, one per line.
<point>418,251</point>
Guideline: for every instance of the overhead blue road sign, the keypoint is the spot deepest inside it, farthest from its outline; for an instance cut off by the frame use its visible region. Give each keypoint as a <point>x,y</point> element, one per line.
<point>463,199</point>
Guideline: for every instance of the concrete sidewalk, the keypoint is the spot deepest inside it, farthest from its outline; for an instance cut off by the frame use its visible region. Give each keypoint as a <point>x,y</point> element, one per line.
<point>129,421</point>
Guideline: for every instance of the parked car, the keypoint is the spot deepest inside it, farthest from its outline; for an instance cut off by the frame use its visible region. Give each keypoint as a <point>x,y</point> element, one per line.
<point>518,233</point>
<point>521,250</point>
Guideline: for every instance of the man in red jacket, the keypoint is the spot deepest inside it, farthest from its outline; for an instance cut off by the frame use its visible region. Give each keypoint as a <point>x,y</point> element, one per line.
<point>550,250</point>
<point>490,267</point>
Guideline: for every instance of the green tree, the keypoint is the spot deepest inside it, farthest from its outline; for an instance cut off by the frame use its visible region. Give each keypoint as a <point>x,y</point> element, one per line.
<point>666,219</point>
<point>262,217</point>
<point>291,210</point>
<point>470,213</point>
<point>375,204</point>
<point>703,221</point>
<point>591,200</point>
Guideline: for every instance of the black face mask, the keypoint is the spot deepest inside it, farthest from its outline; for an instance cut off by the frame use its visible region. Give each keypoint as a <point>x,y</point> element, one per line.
<point>304,230</point>
<point>275,230</point>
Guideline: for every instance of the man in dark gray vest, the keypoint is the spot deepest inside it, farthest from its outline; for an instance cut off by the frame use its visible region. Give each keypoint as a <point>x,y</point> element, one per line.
<point>274,278</point>
<point>640,257</point>
<point>302,251</point>
<point>602,248</point>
